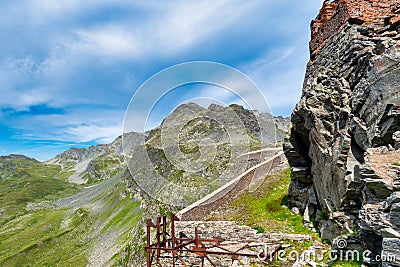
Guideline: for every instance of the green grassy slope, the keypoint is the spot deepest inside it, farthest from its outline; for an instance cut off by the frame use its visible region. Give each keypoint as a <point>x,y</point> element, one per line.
<point>94,232</point>
<point>70,236</point>
<point>264,208</point>
<point>25,181</point>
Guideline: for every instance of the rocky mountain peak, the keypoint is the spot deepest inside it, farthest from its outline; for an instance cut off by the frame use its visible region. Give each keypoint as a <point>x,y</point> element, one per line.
<point>215,108</point>
<point>185,109</point>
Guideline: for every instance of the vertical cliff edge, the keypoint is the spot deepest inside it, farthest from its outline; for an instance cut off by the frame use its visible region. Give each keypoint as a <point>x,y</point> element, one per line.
<point>344,142</point>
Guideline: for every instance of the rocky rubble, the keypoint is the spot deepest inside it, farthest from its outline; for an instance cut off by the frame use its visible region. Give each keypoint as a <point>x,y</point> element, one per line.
<point>343,146</point>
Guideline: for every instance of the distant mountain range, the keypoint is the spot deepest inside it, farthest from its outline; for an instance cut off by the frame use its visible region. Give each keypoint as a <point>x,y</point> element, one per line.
<point>88,165</point>
<point>86,198</point>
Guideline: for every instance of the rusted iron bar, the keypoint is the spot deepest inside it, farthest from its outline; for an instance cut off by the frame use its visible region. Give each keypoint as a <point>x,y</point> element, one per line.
<point>158,237</point>
<point>149,224</point>
<point>173,246</point>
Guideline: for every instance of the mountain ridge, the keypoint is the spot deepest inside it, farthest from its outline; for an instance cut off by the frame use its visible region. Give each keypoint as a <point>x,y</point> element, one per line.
<point>82,161</point>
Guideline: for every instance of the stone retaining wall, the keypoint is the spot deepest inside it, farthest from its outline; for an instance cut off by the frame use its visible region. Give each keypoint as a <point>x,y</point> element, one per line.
<point>213,201</point>
<point>232,231</point>
<point>259,155</point>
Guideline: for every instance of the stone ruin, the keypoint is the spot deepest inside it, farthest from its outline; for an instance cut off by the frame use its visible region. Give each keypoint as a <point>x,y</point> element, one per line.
<point>334,15</point>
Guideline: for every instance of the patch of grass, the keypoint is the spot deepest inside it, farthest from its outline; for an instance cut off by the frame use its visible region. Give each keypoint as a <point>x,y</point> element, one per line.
<point>324,216</point>
<point>189,147</point>
<point>123,212</point>
<point>177,175</point>
<point>42,182</point>
<point>259,229</point>
<point>396,164</point>
<point>263,208</point>
<point>346,264</point>
<point>42,239</point>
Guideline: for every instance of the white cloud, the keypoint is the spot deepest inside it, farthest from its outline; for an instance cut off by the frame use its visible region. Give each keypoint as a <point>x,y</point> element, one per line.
<point>185,25</point>
<point>92,132</point>
<point>173,29</point>
<point>82,133</point>
<point>33,97</point>
<point>77,126</point>
<point>169,30</point>
<point>111,41</point>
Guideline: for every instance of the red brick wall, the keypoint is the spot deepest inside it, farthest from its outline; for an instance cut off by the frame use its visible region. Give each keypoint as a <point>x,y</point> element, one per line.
<point>366,12</point>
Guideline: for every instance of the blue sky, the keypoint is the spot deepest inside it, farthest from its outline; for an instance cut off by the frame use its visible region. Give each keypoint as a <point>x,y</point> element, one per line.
<point>68,69</point>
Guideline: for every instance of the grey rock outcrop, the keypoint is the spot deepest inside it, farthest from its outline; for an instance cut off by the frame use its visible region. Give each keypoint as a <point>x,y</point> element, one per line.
<point>343,142</point>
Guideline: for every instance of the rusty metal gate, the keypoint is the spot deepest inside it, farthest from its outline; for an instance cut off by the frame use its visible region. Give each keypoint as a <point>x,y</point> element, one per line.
<point>164,248</point>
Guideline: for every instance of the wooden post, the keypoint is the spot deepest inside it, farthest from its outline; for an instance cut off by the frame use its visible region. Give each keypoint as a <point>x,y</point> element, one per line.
<point>173,238</point>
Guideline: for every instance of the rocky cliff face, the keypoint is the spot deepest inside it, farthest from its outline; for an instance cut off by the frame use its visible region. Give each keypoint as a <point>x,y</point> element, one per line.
<point>343,145</point>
